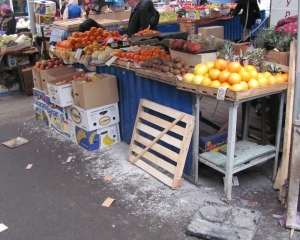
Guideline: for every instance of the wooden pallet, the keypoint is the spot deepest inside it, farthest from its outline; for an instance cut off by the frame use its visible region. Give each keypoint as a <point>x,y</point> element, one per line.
<point>160,144</point>
<point>231,95</point>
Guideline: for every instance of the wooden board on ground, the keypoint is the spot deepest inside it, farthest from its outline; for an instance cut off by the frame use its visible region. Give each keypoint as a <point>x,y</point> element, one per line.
<point>160,144</point>
<point>231,95</point>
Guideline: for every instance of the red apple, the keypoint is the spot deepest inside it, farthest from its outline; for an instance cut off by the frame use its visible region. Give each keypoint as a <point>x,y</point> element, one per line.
<point>74,77</point>
<point>55,66</point>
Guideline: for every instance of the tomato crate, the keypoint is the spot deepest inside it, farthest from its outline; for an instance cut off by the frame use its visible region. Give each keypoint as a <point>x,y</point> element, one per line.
<point>231,95</point>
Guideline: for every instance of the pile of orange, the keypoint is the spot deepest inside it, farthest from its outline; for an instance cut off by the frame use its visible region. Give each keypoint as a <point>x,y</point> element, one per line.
<point>142,55</point>
<point>87,38</point>
<point>146,32</point>
<point>236,77</point>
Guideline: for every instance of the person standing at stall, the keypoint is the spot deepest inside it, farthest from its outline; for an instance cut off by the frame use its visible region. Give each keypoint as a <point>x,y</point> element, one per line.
<point>73,10</point>
<point>8,21</point>
<point>249,16</point>
<point>138,19</point>
<point>153,14</point>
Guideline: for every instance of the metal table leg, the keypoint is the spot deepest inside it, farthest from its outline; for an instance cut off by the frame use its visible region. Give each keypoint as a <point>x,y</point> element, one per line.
<point>278,133</point>
<point>230,149</point>
<point>196,112</point>
<point>246,120</point>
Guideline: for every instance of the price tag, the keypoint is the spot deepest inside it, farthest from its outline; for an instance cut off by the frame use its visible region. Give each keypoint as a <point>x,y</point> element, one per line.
<point>221,93</point>
<point>52,48</point>
<point>78,53</point>
<point>114,45</point>
<point>128,65</point>
<point>125,43</point>
<point>111,60</point>
<point>179,77</point>
<point>217,9</point>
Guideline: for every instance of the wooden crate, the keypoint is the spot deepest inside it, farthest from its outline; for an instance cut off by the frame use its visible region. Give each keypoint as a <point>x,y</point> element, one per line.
<point>231,95</point>
<point>160,141</point>
<point>124,64</point>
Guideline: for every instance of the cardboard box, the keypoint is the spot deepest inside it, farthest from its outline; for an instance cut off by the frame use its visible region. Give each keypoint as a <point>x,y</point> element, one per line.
<point>93,140</point>
<point>204,13</point>
<point>187,27</point>
<point>3,90</point>
<point>194,59</point>
<point>44,19</point>
<point>216,31</point>
<point>60,126</point>
<point>62,95</point>
<point>41,115</point>
<point>28,80</point>
<point>213,142</point>
<point>238,47</point>
<point>214,13</point>
<point>95,118</point>
<point>193,14</point>
<point>278,57</point>
<point>47,29</point>
<point>97,93</point>
<point>37,81</point>
<point>53,73</point>
<point>40,99</point>
<point>13,61</point>
<point>44,7</point>
<point>181,13</point>
<point>56,111</point>
<point>225,11</point>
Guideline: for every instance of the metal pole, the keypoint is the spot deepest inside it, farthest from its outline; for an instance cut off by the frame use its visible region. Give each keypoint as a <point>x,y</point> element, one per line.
<point>31,17</point>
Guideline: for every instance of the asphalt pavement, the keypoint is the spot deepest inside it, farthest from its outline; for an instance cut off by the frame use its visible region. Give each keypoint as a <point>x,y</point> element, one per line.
<point>60,201</point>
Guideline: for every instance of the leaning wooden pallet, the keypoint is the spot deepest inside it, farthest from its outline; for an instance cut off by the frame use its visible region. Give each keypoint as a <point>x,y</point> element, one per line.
<point>157,130</point>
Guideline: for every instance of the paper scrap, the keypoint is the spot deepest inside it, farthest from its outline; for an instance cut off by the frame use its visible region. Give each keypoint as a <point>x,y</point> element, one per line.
<point>108,202</point>
<point>2,227</point>
<point>29,166</point>
<point>69,159</point>
<point>109,177</point>
<point>208,189</point>
<point>16,142</point>
<point>78,53</point>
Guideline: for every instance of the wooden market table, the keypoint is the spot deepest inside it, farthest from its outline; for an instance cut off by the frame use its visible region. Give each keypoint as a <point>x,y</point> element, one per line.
<point>243,154</point>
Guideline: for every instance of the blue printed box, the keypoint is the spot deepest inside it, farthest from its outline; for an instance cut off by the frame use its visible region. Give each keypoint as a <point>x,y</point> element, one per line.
<point>213,142</point>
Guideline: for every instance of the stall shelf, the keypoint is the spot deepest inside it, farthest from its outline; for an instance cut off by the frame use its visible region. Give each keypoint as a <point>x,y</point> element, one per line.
<point>132,88</point>
<point>233,30</point>
<point>238,155</point>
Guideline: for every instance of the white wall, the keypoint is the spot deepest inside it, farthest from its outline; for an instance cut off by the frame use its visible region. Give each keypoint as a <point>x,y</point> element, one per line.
<point>282,9</point>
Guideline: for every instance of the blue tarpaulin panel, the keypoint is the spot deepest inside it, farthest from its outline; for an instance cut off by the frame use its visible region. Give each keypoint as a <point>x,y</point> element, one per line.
<point>132,88</point>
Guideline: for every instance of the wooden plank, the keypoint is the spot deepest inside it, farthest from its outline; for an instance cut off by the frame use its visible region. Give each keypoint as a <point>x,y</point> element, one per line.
<point>157,147</point>
<point>154,159</point>
<point>157,174</point>
<point>164,110</point>
<point>282,173</point>
<point>154,133</point>
<point>162,123</point>
<point>160,136</point>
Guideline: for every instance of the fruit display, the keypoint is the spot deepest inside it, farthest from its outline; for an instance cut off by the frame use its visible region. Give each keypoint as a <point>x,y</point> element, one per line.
<point>142,55</point>
<point>86,78</point>
<point>170,67</point>
<point>192,47</point>
<point>232,75</point>
<point>47,64</point>
<point>146,33</point>
<point>103,54</point>
<point>69,81</point>
<point>82,40</point>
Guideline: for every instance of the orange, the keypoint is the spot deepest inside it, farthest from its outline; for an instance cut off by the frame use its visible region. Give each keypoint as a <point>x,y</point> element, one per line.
<point>116,33</point>
<point>206,81</point>
<point>234,67</point>
<point>285,77</point>
<point>225,84</point>
<point>263,81</point>
<point>271,79</point>
<point>136,57</point>
<point>253,83</point>
<point>93,29</point>
<point>279,78</point>
<point>100,30</point>
<point>245,76</point>
<point>215,84</point>
<point>236,87</point>
<point>142,58</point>
<point>200,69</point>
<point>214,73</point>
<point>118,53</point>
<point>259,75</point>
<point>253,73</point>
<point>244,85</point>
<point>220,64</point>
<point>209,65</point>
<point>249,67</point>
<point>223,77</point>
<point>92,38</point>
<point>234,78</point>
<point>75,34</point>
<point>266,74</point>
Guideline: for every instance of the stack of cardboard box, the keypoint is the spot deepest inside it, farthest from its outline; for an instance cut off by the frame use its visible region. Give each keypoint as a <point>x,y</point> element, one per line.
<point>86,112</point>
<point>44,16</point>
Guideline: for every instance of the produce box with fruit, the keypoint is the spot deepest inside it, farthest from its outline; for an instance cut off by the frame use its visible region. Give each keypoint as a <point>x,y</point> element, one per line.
<point>14,42</point>
<point>147,33</point>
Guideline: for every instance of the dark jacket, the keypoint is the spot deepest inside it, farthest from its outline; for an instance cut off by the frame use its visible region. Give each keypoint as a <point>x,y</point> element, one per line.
<point>87,24</point>
<point>8,23</point>
<point>153,14</point>
<point>138,20</point>
<point>254,12</point>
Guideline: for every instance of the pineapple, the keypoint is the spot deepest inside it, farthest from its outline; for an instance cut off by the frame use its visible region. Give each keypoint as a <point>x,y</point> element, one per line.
<point>226,51</point>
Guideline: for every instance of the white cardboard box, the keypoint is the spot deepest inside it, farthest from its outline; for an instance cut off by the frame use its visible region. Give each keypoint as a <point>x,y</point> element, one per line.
<point>13,61</point>
<point>94,118</point>
<point>60,126</point>
<point>41,115</point>
<point>61,94</point>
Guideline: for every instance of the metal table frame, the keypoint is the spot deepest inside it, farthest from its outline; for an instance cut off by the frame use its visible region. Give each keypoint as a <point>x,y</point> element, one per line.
<point>233,106</point>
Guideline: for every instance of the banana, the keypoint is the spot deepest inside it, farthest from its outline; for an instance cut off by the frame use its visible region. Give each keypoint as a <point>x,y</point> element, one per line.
<point>91,139</point>
<point>80,135</point>
<point>108,141</point>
